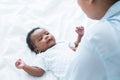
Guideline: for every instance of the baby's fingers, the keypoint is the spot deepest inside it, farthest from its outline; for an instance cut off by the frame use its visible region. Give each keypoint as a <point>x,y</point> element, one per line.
<point>17,63</point>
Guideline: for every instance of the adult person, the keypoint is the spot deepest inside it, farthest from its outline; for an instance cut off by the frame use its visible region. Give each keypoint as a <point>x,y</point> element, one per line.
<point>99,50</point>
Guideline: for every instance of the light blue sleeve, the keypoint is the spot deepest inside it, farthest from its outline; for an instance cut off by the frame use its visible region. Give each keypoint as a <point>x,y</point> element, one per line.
<point>99,55</point>
<point>87,65</point>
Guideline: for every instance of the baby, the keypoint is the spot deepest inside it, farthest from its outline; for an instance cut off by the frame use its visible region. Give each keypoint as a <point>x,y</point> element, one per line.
<point>52,56</point>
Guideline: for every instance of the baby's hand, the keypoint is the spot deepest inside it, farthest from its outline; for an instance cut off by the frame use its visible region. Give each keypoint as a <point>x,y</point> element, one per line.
<point>19,64</point>
<point>80,30</point>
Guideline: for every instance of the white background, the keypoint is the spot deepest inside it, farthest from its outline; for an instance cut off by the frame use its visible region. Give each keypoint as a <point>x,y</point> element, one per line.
<point>17,17</point>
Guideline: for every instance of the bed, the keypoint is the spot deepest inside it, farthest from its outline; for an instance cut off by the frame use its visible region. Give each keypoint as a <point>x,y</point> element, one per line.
<point>18,17</point>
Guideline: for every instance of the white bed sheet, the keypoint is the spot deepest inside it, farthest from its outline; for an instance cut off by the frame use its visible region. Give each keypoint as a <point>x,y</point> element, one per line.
<point>17,17</point>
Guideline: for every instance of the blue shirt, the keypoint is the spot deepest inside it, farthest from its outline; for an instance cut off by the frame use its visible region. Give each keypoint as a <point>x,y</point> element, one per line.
<point>99,50</point>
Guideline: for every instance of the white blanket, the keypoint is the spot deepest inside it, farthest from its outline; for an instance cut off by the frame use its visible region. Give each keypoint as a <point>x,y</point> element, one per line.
<point>17,17</point>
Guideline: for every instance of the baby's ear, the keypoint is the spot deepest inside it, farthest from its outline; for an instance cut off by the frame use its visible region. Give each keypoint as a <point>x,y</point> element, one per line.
<point>36,50</point>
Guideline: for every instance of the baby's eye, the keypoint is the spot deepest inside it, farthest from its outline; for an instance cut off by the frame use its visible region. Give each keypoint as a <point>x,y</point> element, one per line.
<point>46,33</point>
<point>40,38</point>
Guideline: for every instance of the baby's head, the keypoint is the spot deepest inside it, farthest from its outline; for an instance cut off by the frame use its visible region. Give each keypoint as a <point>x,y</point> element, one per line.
<point>39,40</point>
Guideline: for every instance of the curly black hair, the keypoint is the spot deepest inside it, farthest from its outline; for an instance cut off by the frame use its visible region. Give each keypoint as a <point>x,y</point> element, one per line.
<point>28,39</point>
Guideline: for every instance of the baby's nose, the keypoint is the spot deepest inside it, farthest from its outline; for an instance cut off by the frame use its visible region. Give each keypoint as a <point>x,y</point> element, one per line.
<point>46,36</point>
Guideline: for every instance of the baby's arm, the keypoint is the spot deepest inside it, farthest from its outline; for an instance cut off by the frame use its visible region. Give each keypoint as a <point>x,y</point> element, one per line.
<point>80,31</point>
<point>34,71</point>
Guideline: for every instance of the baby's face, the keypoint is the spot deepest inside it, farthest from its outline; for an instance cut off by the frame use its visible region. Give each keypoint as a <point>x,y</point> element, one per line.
<point>42,40</point>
